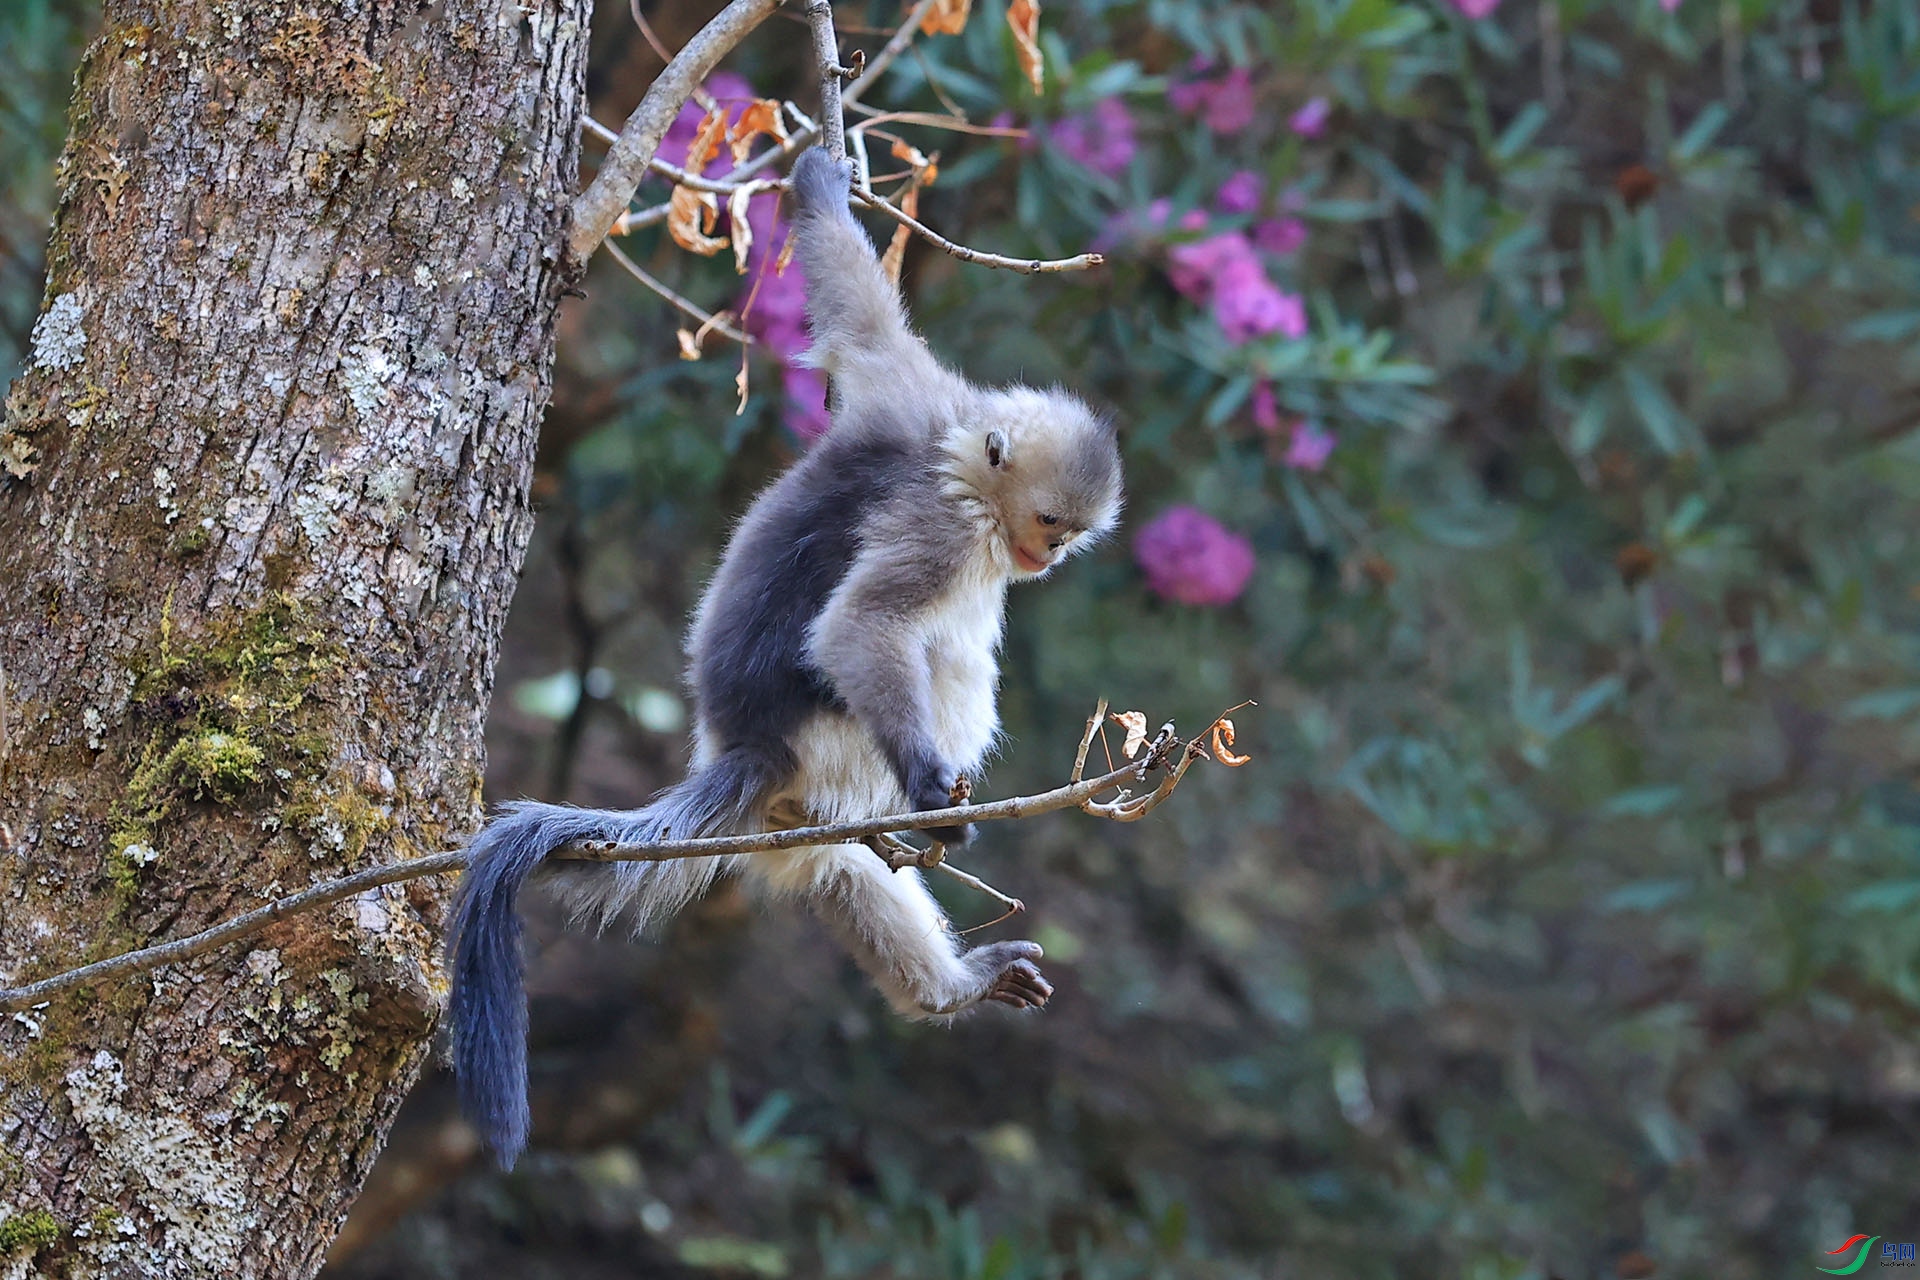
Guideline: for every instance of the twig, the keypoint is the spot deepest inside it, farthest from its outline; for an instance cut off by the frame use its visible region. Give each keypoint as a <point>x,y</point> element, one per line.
<point>808,132</point>
<point>933,120</point>
<point>826,55</point>
<point>933,83</point>
<point>708,321</point>
<point>1013,905</point>
<point>595,209</point>
<point>324,894</point>
<point>646,31</point>
<point>1026,266</point>
<point>1079,792</point>
<point>893,49</point>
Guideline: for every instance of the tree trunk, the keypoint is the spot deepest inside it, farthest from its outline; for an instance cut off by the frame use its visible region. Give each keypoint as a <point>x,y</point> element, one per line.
<point>265,494</point>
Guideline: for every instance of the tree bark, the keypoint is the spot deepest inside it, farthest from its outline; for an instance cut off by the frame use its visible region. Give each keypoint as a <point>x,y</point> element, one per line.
<point>263,500</point>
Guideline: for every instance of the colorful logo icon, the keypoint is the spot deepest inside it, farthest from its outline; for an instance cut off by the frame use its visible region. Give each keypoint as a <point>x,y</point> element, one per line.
<point>1860,1259</point>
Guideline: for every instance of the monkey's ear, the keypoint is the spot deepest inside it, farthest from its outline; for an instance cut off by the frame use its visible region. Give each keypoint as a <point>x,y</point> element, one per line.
<point>996,449</point>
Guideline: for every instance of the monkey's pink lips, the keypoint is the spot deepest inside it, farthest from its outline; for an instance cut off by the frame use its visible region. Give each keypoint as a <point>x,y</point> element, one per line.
<point>1027,560</point>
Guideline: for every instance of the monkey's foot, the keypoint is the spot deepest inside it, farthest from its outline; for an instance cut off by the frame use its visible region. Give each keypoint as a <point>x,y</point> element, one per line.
<point>1017,980</point>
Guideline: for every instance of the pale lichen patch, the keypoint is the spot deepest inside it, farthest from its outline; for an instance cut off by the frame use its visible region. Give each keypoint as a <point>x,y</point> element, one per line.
<point>368,372</point>
<point>176,1172</point>
<point>163,486</point>
<point>59,336</point>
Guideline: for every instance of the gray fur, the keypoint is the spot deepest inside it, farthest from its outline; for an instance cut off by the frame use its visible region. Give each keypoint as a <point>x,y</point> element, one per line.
<point>843,666</point>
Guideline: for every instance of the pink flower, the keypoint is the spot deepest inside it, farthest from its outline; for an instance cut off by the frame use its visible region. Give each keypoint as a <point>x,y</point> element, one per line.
<point>1191,97</point>
<point>1238,194</point>
<point>1266,410</point>
<point>1248,305</point>
<point>1280,236</point>
<point>1226,104</point>
<point>728,89</point>
<point>1232,107</point>
<point>1100,139</point>
<point>1476,8</point>
<point>1193,267</point>
<point>1310,447</point>
<point>1223,272</point>
<point>1189,557</point>
<point>1132,227</point>
<point>1310,121</point>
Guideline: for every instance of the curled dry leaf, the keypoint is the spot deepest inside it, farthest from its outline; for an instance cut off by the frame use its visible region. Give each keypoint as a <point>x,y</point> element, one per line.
<point>947,18</point>
<point>1135,723</point>
<point>690,219</point>
<point>896,255</point>
<point>706,143</point>
<point>1023,19</point>
<point>739,228</point>
<point>925,169</point>
<point>761,116</point>
<point>1223,744</point>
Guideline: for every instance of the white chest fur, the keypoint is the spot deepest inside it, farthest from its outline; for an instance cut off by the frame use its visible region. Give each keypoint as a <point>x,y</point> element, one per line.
<point>961,634</point>
<point>843,773</point>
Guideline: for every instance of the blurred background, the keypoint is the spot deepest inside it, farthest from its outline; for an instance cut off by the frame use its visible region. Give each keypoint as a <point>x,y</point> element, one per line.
<point>1519,399</point>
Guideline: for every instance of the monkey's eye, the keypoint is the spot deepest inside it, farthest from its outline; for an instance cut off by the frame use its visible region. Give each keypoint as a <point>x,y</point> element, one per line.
<point>1049,519</point>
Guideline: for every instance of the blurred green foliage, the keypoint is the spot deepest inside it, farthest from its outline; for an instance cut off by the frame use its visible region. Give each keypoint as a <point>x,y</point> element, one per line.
<point>1567,921</point>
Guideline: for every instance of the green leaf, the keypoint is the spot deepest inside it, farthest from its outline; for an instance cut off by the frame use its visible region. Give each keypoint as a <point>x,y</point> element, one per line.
<point>1641,802</point>
<point>1514,138</point>
<point>1665,425</point>
<point>1705,127</point>
<point>1888,895</point>
<point>1883,704</point>
<point>1646,895</point>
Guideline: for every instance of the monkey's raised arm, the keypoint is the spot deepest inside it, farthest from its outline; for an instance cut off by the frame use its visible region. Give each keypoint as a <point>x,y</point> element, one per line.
<point>860,332</point>
<point>865,643</point>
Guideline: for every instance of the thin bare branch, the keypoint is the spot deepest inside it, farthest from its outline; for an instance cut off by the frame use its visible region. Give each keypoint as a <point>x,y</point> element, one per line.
<point>320,895</point>
<point>708,321</point>
<point>826,56</point>
<point>1079,792</point>
<point>596,208</point>
<point>808,131</point>
<point>934,120</point>
<point>894,48</point>
<point>1026,266</point>
<point>646,31</point>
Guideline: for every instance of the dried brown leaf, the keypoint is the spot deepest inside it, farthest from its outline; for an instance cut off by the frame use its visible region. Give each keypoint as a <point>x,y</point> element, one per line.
<point>1135,723</point>
<point>896,254</point>
<point>706,143</point>
<point>761,116</point>
<point>925,170</point>
<point>1223,744</point>
<point>690,219</point>
<point>1023,19</point>
<point>948,18</point>
<point>739,229</point>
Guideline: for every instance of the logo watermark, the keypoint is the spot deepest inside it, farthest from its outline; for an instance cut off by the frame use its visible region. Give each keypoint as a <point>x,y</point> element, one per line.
<point>1891,1254</point>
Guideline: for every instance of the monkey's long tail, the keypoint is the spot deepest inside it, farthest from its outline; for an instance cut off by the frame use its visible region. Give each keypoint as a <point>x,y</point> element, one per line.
<point>489,1005</point>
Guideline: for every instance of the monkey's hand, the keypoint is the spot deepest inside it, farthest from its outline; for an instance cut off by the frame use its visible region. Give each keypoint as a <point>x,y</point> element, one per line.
<point>938,787</point>
<point>1010,973</point>
<point>821,184</point>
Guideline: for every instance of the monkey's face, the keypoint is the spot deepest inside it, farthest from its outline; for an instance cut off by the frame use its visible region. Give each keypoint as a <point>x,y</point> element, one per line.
<point>1052,479</point>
